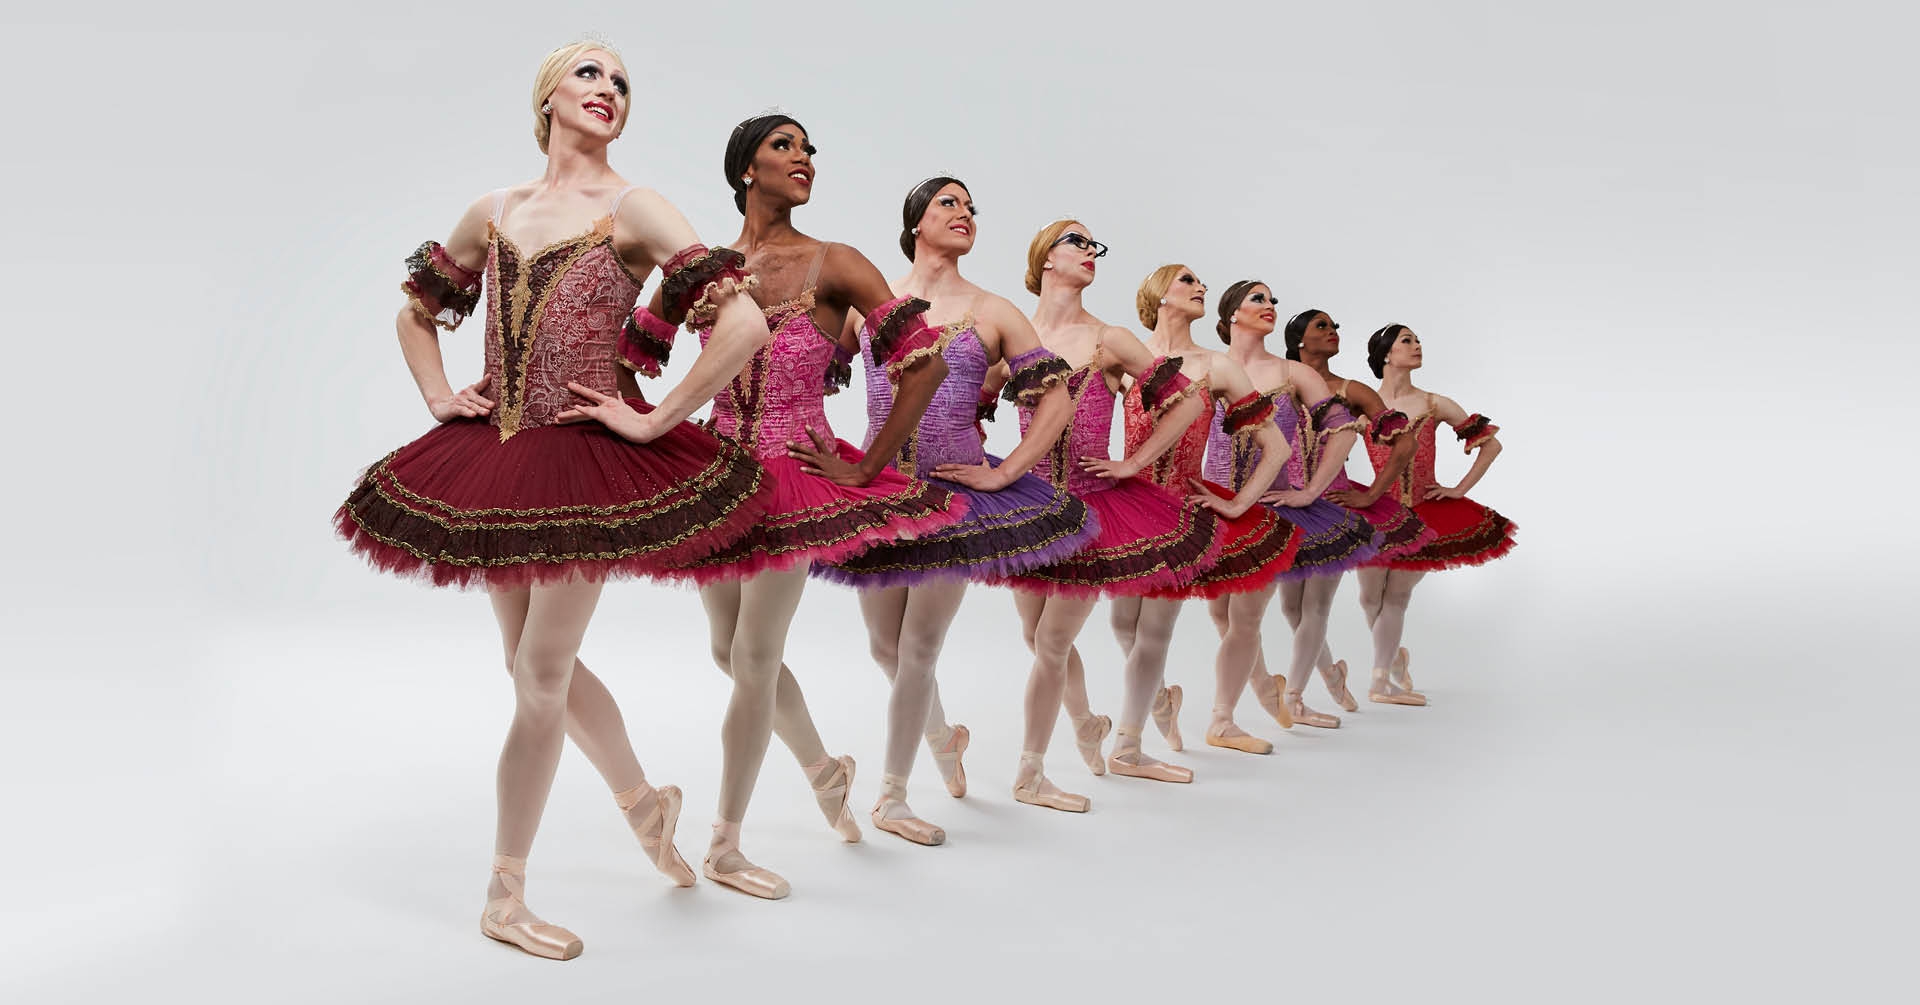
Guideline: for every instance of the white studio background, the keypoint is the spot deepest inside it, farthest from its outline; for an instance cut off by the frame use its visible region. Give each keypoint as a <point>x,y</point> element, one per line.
<point>1668,247</point>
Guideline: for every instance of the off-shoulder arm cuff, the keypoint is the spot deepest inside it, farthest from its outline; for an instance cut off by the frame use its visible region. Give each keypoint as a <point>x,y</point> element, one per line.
<point>1033,372</point>
<point>1388,425</point>
<point>645,341</point>
<point>1475,432</point>
<point>1250,411</point>
<point>698,278</point>
<point>1162,385</point>
<point>900,337</point>
<point>442,290</point>
<point>1329,415</point>
<point>985,406</point>
<point>839,370</point>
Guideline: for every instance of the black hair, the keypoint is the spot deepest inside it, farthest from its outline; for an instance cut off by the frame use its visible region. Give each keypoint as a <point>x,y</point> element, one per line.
<point>1378,345</point>
<point>916,207</point>
<point>1296,332</point>
<point>1230,302</point>
<point>741,146</point>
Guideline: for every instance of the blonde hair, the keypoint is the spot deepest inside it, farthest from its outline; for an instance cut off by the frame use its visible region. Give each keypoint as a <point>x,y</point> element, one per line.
<point>555,68</point>
<point>1147,301</point>
<point>1042,244</point>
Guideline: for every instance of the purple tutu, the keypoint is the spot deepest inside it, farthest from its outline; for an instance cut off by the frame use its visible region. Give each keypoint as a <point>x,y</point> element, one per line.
<point>1024,526</point>
<point>1332,538</point>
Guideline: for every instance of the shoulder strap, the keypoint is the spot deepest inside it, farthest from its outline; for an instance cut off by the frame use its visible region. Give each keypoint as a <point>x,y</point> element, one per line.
<point>813,271</point>
<point>499,203</point>
<point>613,210</point>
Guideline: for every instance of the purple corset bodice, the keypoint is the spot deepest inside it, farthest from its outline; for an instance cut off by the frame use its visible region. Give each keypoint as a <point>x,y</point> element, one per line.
<point>946,434</point>
<point>1230,459</point>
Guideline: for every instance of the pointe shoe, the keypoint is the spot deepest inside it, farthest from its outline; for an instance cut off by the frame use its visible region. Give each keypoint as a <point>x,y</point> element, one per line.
<point>533,936</point>
<point>948,760</point>
<point>1166,716</point>
<point>656,831</point>
<point>1033,792</point>
<point>1158,771</point>
<point>1398,674</point>
<point>1088,735</point>
<point>1244,742</point>
<point>1268,695</point>
<point>1335,677</point>
<point>1308,717</point>
<point>833,795</point>
<point>1385,692</point>
<point>752,880</point>
<point>910,827</point>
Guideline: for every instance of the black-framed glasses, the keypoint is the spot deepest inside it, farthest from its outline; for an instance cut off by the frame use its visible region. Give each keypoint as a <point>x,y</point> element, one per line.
<point>1081,241</point>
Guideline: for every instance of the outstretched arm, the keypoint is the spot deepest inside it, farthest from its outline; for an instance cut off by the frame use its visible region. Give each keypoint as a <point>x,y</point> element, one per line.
<point>442,289</point>
<point>1478,433</point>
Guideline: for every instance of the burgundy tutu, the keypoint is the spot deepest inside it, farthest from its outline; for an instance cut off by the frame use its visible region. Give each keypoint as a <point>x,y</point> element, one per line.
<point>461,507</point>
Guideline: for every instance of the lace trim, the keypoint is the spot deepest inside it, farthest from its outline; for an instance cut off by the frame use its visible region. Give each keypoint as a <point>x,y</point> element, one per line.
<point>1476,431</point>
<point>899,326</point>
<point>1162,384</point>
<point>645,342</point>
<point>698,278</point>
<point>1251,410</point>
<point>1034,371</point>
<point>1388,425</point>
<point>840,370</point>
<point>1329,415</point>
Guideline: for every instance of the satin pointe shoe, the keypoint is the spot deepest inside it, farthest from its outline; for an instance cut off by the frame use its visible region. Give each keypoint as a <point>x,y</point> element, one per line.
<point>893,791</point>
<point>1034,789</point>
<point>947,758</point>
<point>1384,691</point>
<point>1308,717</point>
<point>532,935</point>
<point>1128,746</point>
<point>1335,677</point>
<point>656,831</point>
<point>1398,671</point>
<point>1223,733</point>
<point>1088,735</point>
<point>832,783</point>
<point>751,880</point>
<point>1166,716</point>
<point>1266,691</point>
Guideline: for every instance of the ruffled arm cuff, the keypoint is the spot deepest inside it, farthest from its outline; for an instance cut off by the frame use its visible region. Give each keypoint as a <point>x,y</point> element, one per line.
<point>900,336</point>
<point>1033,372</point>
<point>840,370</point>
<point>985,406</point>
<point>698,279</point>
<point>1330,415</point>
<point>1250,411</point>
<point>1474,432</point>
<point>441,289</point>
<point>1388,425</point>
<point>645,341</point>
<point>1162,385</point>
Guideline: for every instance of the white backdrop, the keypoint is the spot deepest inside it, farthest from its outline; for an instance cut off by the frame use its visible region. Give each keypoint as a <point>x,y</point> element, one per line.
<point>1668,247</point>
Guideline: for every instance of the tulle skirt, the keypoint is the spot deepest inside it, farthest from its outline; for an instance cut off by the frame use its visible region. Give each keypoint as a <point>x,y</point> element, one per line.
<point>1466,533</point>
<point>1021,527</point>
<point>814,519</point>
<point>1150,540</point>
<point>460,507</point>
<point>1331,539</point>
<point>1255,548</point>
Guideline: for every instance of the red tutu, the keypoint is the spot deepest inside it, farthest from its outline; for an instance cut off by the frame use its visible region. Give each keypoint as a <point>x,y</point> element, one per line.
<point>462,507</point>
<point>813,519</point>
<point>1150,540</point>
<point>1256,547</point>
<point>1469,534</point>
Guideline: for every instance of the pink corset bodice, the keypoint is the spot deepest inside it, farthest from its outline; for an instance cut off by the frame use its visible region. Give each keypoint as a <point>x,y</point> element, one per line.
<point>1181,461</point>
<point>781,392</point>
<point>1412,485</point>
<point>1087,433</point>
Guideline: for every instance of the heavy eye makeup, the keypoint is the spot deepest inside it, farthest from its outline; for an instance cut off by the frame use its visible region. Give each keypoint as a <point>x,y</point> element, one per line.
<point>785,143</point>
<point>589,71</point>
<point>949,202</point>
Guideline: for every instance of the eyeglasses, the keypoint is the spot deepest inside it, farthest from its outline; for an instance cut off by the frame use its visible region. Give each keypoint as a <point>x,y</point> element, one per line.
<point>1081,241</point>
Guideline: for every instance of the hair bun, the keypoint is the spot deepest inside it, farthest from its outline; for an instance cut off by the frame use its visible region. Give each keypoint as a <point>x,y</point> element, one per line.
<point>1225,330</point>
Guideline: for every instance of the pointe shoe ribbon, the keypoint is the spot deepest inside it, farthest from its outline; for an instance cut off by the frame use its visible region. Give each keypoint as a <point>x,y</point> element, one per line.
<point>1398,672</point>
<point>1166,715</point>
<point>1335,677</point>
<point>1382,690</point>
<point>912,828</point>
<point>833,794</point>
<point>1158,771</point>
<point>534,937</point>
<point>1266,690</point>
<point>1032,791</point>
<point>948,759</point>
<point>656,831</point>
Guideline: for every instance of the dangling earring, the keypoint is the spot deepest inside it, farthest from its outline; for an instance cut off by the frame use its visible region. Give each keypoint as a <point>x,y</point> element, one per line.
<point>547,109</point>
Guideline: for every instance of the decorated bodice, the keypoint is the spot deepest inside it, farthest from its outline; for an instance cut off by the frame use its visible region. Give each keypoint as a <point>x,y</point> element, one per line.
<point>1087,433</point>
<point>1231,457</point>
<point>946,434</point>
<point>781,392</point>
<point>1419,476</point>
<point>553,316</point>
<point>1183,460</point>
